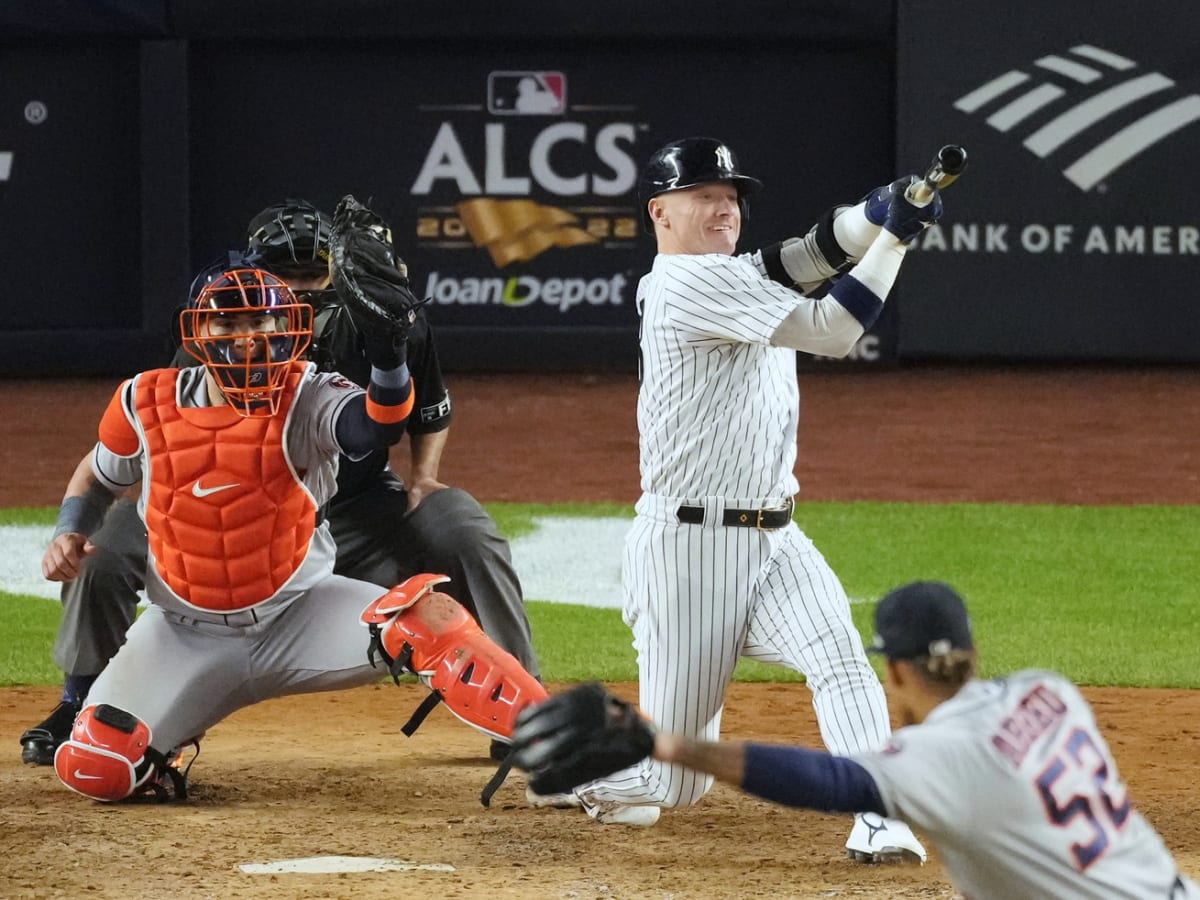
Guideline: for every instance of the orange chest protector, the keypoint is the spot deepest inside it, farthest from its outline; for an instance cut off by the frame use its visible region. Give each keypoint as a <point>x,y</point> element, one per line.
<point>228,519</point>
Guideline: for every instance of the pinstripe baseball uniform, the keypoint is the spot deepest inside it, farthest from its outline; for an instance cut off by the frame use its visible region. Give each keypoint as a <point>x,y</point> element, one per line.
<point>718,410</point>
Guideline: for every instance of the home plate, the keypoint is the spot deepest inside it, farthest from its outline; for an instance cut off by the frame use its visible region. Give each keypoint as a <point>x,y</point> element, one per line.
<point>318,865</point>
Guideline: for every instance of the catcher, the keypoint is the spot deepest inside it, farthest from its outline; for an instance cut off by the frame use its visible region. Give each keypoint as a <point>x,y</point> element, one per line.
<point>236,459</point>
<point>1010,778</point>
<point>385,528</point>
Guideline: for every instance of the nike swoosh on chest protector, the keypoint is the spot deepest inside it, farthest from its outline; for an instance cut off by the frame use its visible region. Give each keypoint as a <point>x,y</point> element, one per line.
<point>198,491</point>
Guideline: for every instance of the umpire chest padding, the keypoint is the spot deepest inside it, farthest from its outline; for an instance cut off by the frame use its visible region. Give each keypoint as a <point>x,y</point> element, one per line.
<point>479,682</point>
<point>228,520</point>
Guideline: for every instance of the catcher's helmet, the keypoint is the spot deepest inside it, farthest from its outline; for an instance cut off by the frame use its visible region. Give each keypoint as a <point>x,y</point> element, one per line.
<point>688,162</point>
<point>233,259</point>
<point>290,238</point>
<point>247,327</point>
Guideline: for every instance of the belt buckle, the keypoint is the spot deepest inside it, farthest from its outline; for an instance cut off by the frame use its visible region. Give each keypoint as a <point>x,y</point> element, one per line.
<point>787,507</point>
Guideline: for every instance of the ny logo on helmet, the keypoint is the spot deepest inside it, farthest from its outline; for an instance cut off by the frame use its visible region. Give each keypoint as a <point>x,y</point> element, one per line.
<point>724,157</point>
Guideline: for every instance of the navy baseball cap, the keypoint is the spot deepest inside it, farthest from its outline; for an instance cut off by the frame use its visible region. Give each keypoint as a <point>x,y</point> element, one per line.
<point>924,618</point>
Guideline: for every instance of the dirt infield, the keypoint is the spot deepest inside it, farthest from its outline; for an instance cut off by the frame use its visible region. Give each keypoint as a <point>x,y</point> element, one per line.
<point>331,774</point>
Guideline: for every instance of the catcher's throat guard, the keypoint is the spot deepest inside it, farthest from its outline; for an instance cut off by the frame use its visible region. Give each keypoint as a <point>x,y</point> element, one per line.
<point>416,629</point>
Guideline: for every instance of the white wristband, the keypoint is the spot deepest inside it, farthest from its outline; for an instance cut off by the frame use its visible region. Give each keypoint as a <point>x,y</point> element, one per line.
<point>854,232</point>
<point>880,265</point>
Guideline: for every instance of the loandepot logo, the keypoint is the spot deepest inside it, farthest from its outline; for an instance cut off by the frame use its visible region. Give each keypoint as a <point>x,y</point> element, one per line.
<point>525,290</point>
<point>1009,100</point>
<point>6,159</point>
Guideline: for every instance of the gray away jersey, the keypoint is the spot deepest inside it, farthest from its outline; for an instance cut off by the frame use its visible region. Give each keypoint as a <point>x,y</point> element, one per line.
<point>1019,792</point>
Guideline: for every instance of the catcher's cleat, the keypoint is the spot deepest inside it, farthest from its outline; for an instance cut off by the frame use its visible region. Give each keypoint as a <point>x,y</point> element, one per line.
<point>170,779</point>
<point>876,840</point>
<point>39,742</point>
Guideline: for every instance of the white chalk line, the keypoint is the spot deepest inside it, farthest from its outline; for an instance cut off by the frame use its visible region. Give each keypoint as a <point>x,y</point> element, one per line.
<point>565,560</point>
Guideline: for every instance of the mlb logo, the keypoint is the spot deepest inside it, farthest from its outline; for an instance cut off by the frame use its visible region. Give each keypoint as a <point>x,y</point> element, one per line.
<point>527,93</point>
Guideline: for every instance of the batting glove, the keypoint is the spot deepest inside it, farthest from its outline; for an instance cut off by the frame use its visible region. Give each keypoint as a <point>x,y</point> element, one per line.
<point>879,201</point>
<point>888,206</point>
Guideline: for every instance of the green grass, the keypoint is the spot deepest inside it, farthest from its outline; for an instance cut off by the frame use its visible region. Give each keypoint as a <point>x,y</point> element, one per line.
<point>28,624</point>
<point>1105,595</point>
<point>28,515</point>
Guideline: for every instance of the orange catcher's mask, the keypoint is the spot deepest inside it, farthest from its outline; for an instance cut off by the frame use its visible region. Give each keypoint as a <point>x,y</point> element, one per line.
<point>247,327</point>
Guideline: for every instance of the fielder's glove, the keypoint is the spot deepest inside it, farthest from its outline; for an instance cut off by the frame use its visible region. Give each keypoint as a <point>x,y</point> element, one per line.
<point>371,282</point>
<point>888,206</point>
<point>577,736</point>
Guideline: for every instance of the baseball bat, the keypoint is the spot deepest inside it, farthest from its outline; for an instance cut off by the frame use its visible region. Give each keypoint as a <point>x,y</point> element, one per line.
<point>947,166</point>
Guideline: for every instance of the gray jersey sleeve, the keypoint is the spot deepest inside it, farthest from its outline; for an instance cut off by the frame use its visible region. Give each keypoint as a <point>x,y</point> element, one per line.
<point>312,445</point>
<point>321,398</point>
<point>930,777</point>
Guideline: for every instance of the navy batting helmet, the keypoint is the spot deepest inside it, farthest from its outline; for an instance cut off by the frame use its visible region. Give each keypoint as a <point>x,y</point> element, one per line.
<point>687,163</point>
<point>290,238</point>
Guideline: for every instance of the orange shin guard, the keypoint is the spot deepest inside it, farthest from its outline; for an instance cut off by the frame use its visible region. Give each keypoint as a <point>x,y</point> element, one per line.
<point>417,629</point>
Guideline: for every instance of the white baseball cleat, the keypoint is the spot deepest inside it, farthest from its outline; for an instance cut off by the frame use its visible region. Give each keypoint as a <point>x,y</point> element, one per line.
<point>874,839</point>
<point>610,813</point>
<point>552,801</point>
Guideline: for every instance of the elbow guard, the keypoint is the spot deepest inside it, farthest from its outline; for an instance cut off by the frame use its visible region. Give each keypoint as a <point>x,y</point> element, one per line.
<point>805,262</point>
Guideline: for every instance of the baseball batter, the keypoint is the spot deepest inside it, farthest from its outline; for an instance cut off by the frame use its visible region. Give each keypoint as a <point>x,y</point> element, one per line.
<point>1010,778</point>
<point>714,567</point>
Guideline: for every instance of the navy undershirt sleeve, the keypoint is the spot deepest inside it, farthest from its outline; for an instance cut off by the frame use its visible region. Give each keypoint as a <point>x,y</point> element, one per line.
<point>357,433</point>
<point>812,779</point>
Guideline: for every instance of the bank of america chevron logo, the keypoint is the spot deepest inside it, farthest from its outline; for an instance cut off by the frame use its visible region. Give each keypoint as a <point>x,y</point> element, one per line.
<point>1081,111</point>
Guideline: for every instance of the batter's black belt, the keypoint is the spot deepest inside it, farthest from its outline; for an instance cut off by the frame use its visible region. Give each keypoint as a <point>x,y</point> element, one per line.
<point>764,519</point>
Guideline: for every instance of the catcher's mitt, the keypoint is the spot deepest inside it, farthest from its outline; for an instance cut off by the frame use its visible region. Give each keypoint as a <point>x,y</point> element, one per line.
<point>577,736</point>
<point>371,281</point>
